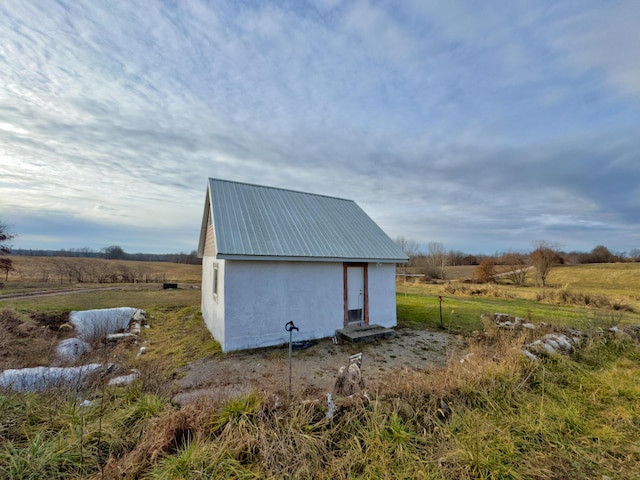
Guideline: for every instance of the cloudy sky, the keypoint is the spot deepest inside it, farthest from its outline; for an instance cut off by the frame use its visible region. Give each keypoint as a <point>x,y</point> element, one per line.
<point>484,126</point>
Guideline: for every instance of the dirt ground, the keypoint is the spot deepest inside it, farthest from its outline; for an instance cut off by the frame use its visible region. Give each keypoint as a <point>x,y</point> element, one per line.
<point>315,369</point>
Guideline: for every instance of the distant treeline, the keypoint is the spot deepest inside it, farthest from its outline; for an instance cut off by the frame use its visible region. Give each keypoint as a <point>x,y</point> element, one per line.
<point>600,254</point>
<point>113,252</point>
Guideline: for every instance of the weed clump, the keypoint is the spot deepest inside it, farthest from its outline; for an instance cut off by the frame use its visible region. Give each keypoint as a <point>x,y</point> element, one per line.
<point>565,296</point>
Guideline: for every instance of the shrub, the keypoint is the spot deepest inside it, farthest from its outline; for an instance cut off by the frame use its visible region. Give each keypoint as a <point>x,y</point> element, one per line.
<point>485,272</point>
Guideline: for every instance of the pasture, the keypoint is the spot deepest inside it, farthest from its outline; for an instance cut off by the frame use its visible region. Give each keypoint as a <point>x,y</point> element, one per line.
<point>487,413</point>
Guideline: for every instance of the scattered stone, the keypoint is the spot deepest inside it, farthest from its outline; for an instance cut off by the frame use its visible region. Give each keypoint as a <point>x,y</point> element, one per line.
<point>42,378</point>
<point>552,344</point>
<point>114,337</point>
<point>92,324</point>
<point>503,320</point>
<point>125,379</point>
<point>529,355</point>
<point>70,351</point>
<point>466,358</point>
<point>331,406</point>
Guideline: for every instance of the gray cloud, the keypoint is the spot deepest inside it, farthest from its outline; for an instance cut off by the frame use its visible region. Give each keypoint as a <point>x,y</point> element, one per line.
<point>480,126</point>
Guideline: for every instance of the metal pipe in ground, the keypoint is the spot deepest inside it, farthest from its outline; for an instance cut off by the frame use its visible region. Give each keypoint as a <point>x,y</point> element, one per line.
<point>290,327</point>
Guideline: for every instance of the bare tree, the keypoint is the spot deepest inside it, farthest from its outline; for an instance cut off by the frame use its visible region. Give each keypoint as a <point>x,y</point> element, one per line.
<point>5,236</point>
<point>60,267</point>
<point>44,272</point>
<point>543,258</point>
<point>436,260</point>
<point>516,267</point>
<point>6,264</point>
<point>408,245</point>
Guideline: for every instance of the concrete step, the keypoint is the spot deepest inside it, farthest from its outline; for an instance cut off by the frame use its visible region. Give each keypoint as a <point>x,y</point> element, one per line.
<point>364,333</point>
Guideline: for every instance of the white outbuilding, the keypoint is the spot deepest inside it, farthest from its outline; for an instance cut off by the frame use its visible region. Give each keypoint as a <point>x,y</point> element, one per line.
<point>271,256</point>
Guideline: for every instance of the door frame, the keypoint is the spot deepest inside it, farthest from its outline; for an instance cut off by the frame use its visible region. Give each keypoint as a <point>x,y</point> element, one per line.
<point>365,280</point>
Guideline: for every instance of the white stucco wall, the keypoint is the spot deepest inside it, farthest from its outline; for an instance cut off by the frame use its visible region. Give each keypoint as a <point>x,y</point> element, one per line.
<point>256,300</point>
<point>212,306</point>
<point>267,295</point>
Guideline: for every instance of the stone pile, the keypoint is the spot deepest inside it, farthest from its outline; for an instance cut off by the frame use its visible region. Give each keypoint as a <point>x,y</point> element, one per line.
<point>550,344</point>
<point>110,324</point>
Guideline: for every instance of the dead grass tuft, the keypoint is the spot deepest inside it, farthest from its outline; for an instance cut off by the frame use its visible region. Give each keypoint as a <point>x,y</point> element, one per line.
<point>168,435</point>
<point>565,296</point>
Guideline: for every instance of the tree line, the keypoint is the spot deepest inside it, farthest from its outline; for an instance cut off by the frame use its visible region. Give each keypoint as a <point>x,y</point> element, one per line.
<point>113,252</point>
<point>512,265</point>
<point>88,270</point>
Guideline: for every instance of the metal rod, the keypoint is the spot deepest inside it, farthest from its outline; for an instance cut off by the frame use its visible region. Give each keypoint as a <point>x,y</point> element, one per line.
<point>290,355</point>
<point>290,327</point>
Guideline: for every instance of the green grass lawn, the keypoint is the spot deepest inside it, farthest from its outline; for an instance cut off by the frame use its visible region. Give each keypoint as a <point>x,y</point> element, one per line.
<point>618,284</point>
<point>462,314</point>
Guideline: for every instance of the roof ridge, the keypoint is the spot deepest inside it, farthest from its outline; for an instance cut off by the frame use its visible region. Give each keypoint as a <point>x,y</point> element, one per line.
<point>281,189</point>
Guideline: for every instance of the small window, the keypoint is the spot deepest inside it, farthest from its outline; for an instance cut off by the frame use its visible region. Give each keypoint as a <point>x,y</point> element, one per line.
<point>215,282</point>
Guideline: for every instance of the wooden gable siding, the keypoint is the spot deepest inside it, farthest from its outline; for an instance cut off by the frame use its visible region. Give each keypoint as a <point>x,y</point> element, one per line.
<point>210,243</point>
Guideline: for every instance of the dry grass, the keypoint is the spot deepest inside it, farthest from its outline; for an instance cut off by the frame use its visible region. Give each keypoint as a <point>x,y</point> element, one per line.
<point>38,273</point>
<point>489,413</point>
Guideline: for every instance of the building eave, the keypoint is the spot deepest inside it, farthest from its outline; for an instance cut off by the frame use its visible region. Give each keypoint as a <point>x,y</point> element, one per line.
<point>277,258</point>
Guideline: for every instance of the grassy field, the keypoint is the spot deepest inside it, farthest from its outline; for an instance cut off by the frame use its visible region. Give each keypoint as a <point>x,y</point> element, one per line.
<point>62,273</point>
<point>488,414</point>
<point>576,296</point>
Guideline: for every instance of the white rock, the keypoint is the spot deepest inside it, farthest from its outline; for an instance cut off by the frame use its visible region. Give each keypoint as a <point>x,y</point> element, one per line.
<point>552,343</point>
<point>331,404</point>
<point>529,355</point>
<point>71,350</point>
<point>92,324</point>
<point>564,342</point>
<point>114,337</point>
<point>41,378</point>
<point>125,379</point>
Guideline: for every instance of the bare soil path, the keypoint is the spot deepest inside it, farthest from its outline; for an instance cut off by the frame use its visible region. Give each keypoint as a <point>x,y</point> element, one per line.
<point>49,293</point>
<point>314,370</point>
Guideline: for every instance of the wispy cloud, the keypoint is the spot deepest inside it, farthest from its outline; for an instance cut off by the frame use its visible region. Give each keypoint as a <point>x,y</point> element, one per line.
<point>481,126</point>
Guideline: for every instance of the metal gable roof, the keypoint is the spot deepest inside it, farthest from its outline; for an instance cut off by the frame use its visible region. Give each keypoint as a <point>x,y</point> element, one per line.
<point>252,221</point>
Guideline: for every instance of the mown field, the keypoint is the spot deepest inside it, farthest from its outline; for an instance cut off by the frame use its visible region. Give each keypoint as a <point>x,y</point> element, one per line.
<point>490,413</point>
<point>63,273</point>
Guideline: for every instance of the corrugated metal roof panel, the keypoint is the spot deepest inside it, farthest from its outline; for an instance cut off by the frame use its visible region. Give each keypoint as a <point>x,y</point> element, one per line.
<point>257,221</point>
